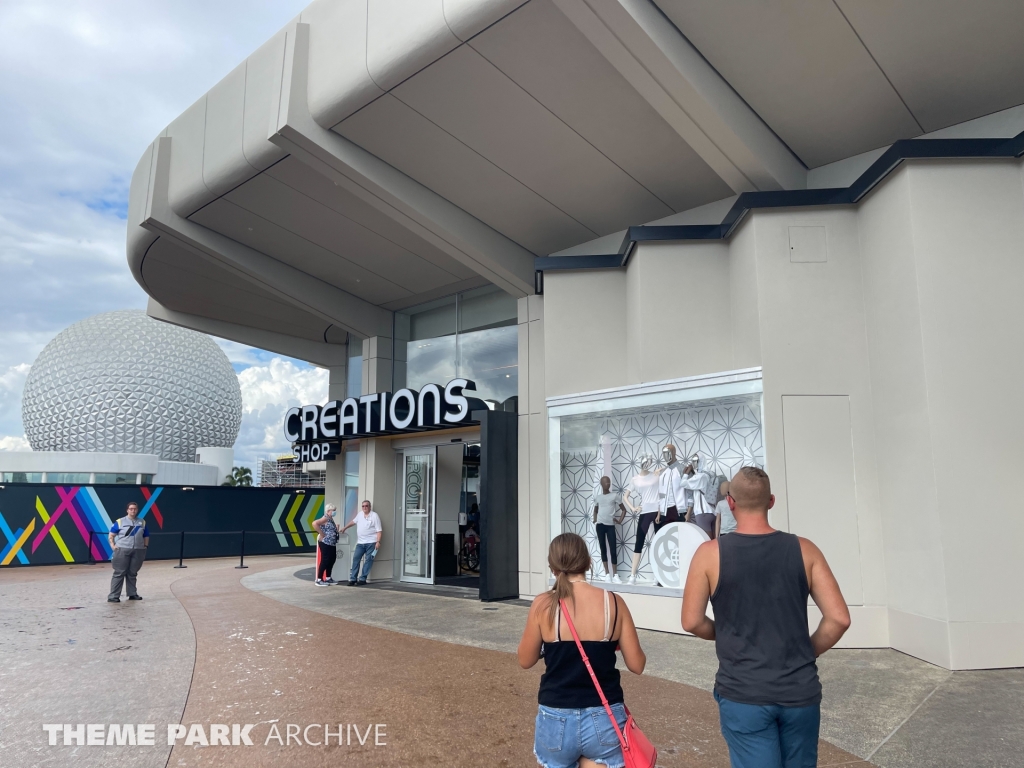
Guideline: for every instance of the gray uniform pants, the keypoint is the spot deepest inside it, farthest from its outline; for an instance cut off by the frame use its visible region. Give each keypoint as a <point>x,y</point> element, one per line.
<point>126,564</point>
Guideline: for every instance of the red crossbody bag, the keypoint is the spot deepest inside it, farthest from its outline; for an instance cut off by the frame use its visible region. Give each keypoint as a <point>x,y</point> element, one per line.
<point>637,750</point>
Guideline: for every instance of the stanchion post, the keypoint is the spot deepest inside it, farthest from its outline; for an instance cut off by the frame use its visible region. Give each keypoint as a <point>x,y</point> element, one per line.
<point>241,558</point>
<point>92,560</point>
<point>181,552</point>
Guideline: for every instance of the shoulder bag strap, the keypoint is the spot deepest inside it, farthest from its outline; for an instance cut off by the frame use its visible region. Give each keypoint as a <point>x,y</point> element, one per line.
<point>597,685</point>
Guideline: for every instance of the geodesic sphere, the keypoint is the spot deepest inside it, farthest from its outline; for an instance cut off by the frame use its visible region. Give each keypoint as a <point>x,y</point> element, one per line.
<point>121,382</point>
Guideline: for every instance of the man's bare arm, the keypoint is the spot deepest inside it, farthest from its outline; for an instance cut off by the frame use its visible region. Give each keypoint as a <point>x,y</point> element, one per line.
<point>698,591</point>
<point>835,615</point>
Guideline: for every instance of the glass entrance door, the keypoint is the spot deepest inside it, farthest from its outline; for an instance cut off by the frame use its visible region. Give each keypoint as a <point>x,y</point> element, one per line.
<point>418,515</point>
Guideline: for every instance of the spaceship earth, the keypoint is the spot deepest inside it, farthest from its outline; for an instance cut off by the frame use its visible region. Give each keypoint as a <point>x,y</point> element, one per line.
<point>121,382</point>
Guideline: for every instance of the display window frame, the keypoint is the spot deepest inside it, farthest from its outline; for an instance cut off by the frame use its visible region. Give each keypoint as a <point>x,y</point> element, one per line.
<point>670,394</point>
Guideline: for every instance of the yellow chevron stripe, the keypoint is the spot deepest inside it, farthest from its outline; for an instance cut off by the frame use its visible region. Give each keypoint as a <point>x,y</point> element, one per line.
<point>19,543</point>
<point>290,520</point>
<point>54,532</point>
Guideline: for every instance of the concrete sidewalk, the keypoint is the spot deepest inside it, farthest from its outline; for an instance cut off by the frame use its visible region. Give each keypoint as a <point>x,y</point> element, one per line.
<point>880,705</point>
<point>211,644</point>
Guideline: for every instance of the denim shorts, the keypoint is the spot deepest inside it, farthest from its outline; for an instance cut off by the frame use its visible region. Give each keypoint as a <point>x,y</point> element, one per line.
<point>563,736</point>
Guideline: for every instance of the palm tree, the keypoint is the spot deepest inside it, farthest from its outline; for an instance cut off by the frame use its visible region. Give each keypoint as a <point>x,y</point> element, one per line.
<point>240,477</point>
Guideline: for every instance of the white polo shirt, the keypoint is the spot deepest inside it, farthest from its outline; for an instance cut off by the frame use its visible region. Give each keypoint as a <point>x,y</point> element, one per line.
<point>367,527</point>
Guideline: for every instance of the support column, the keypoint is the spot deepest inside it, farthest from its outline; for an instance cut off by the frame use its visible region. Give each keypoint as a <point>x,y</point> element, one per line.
<point>377,474</point>
<point>534,515</point>
<point>334,480</point>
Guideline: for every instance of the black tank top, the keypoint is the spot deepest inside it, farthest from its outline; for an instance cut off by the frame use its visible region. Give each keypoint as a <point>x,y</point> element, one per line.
<point>566,684</point>
<point>761,635</point>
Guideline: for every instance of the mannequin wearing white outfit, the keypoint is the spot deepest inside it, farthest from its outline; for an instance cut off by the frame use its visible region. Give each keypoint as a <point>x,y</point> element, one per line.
<point>701,483</point>
<point>671,490</point>
<point>646,485</point>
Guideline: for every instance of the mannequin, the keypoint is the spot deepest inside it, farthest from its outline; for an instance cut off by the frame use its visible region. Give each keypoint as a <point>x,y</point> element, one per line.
<point>672,489</point>
<point>701,484</point>
<point>606,505</point>
<point>645,484</point>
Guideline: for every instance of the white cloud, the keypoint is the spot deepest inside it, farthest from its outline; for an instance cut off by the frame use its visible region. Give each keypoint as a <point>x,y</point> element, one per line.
<point>85,88</point>
<point>14,444</point>
<point>267,392</point>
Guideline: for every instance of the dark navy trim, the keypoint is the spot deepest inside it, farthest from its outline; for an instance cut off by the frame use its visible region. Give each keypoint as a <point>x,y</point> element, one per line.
<point>905,149</point>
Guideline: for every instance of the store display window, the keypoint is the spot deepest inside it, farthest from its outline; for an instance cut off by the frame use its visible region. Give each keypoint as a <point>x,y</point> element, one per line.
<point>632,436</point>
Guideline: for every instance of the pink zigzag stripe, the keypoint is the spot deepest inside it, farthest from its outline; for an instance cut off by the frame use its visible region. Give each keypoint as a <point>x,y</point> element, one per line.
<point>82,529</point>
<point>53,519</point>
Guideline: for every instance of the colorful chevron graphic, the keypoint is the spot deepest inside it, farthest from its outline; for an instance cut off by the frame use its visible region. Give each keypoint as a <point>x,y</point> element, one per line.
<point>15,541</point>
<point>314,503</point>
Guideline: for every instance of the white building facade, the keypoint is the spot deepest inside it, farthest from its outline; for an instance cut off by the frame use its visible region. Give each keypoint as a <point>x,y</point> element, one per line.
<point>787,235</point>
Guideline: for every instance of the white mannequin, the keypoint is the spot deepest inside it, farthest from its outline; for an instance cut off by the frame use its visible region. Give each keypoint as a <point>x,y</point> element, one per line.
<point>646,462</point>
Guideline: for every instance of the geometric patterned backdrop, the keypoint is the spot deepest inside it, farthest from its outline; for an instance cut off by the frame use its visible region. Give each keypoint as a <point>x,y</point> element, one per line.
<point>727,433</point>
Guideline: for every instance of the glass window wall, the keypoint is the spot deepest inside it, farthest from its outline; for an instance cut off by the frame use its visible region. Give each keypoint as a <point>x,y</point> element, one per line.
<point>471,335</point>
<point>68,478</point>
<point>115,478</point>
<point>22,477</point>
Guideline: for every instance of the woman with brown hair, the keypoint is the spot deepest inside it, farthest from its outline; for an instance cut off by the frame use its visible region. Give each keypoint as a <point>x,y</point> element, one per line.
<point>573,727</point>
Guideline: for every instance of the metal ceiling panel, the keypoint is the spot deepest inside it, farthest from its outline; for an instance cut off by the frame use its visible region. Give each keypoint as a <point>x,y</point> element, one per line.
<point>546,55</point>
<point>185,282</point>
<point>950,60</point>
<point>262,235</point>
<point>471,99</point>
<point>801,67</point>
<point>303,216</point>
<point>301,177</point>
<point>406,140</point>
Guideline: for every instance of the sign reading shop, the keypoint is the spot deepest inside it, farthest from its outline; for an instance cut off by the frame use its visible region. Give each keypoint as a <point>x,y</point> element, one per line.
<point>317,431</point>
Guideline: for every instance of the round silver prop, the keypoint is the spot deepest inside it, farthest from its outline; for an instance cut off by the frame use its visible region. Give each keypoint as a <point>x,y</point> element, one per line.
<point>671,551</point>
<point>122,382</point>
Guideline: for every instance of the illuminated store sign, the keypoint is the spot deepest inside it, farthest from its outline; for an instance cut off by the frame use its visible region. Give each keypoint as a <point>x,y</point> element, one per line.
<point>318,430</point>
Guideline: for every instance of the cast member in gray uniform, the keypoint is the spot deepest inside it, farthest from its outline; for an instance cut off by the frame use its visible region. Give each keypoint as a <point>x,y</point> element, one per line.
<point>129,538</point>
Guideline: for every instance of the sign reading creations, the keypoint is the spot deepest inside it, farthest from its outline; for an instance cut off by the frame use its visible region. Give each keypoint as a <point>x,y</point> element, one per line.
<point>317,431</point>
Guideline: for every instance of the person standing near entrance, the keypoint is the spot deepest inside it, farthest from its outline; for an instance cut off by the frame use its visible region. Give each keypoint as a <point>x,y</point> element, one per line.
<point>758,580</point>
<point>129,538</point>
<point>326,546</point>
<point>368,533</point>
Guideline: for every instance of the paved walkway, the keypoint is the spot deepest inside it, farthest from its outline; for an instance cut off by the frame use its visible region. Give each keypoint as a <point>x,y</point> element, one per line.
<point>212,644</point>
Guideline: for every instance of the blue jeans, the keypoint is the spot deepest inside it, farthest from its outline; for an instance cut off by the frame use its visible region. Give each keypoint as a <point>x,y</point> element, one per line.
<point>362,549</point>
<point>563,736</point>
<point>770,736</point>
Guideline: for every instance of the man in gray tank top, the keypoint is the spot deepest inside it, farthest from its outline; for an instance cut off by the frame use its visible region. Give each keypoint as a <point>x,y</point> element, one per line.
<point>758,580</point>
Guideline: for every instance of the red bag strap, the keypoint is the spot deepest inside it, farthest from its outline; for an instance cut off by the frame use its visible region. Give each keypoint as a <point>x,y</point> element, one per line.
<point>590,669</point>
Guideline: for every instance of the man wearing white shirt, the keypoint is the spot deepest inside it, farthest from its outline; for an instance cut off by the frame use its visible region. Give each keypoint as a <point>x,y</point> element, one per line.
<point>368,533</point>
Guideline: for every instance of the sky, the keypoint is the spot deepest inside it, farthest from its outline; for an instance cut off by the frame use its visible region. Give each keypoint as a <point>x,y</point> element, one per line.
<point>85,87</point>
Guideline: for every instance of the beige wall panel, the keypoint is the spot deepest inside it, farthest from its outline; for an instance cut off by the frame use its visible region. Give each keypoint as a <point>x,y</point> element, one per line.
<point>634,312</point>
<point>339,81</point>
<point>524,486</point>
<point>821,484</point>
<point>540,530</point>
<point>681,334</point>
<point>377,483</point>
<point>224,163</point>
<point>968,221</point>
<point>920,636</point>
<point>263,73</point>
<point>470,17</point>
<point>535,364</point>
<point>813,342</point>
<point>403,37</point>
<point>741,300</point>
<point>975,645</point>
<point>139,239</point>
<point>187,191</point>
<point>905,453</point>
<point>585,336</point>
